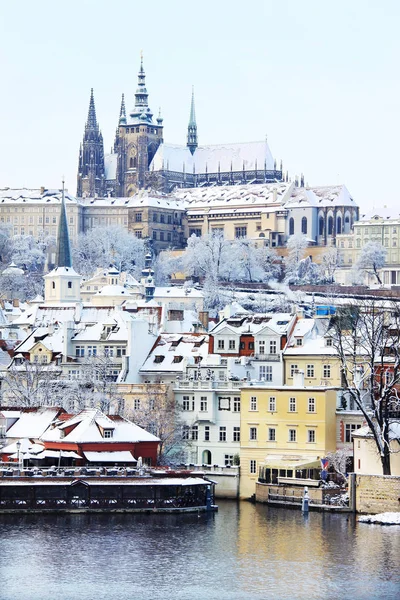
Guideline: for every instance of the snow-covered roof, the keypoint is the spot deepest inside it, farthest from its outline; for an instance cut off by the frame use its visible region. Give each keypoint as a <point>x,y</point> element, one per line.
<point>97,331</point>
<point>213,158</point>
<point>239,324</point>
<point>113,290</point>
<point>365,432</point>
<point>311,332</point>
<point>87,427</point>
<point>34,196</point>
<point>51,339</point>
<point>320,197</point>
<point>118,456</point>
<point>377,215</point>
<point>165,293</point>
<point>110,166</point>
<point>33,422</point>
<point>173,352</point>
<point>245,196</point>
<point>142,199</point>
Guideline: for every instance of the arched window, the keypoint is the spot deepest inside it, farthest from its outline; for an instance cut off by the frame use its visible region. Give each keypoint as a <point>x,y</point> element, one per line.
<point>69,285</point>
<point>132,162</point>
<point>53,285</point>
<point>339,225</point>
<point>304,225</point>
<point>347,224</point>
<point>321,226</point>
<point>330,225</point>
<point>291,226</point>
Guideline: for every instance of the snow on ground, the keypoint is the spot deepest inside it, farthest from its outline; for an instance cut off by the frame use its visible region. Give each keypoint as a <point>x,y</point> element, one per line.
<point>388,518</point>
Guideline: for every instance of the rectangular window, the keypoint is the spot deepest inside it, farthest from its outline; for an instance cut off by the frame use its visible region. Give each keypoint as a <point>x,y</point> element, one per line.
<point>292,435</point>
<point>236,404</point>
<point>311,405</point>
<point>108,433</point>
<point>138,234</point>
<point>207,433</point>
<point>162,219</point>
<point>293,368</point>
<point>155,219</point>
<point>327,371</point>
<point>186,403</point>
<point>253,434</point>
<point>349,428</point>
<point>222,434</point>
<point>92,350</point>
<point>240,232</point>
<point>221,344</point>
<point>271,434</point>
<point>138,217</point>
<point>236,434</point>
<point>228,460</point>
<point>136,404</point>
<point>272,347</point>
<point>121,351</point>
<point>310,371</point>
<point>311,436</point>
<point>253,403</point>
<point>329,341</point>
<point>80,351</point>
<point>203,404</point>
<point>253,467</point>
<point>265,373</point>
<point>292,404</point>
<point>194,433</point>
<point>272,404</point>
<point>232,344</point>
<point>299,342</point>
<point>185,432</point>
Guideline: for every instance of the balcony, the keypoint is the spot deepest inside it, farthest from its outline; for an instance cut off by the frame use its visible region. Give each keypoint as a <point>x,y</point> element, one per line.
<point>266,357</point>
<point>209,385</point>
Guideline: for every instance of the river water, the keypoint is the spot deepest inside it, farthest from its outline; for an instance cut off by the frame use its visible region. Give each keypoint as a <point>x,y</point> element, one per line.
<point>243,552</point>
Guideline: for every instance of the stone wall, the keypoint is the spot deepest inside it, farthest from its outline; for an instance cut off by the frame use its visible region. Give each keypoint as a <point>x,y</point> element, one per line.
<point>377,493</point>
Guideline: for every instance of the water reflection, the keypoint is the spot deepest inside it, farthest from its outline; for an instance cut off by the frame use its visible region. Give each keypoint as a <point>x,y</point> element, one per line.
<point>243,552</point>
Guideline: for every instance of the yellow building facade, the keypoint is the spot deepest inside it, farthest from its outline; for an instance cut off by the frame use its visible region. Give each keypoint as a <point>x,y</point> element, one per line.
<point>283,426</point>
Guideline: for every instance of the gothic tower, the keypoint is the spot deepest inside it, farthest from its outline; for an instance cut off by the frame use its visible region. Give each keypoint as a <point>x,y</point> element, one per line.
<point>91,157</point>
<point>62,284</point>
<point>192,128</point>
<point>136,141</point>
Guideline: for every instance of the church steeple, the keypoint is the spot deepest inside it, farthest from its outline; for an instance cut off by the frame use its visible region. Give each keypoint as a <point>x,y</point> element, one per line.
<point>63,255</point>
<point>122,112</point>
<point>192,128</point>
<point>141,111</point>
<point>91,173</point>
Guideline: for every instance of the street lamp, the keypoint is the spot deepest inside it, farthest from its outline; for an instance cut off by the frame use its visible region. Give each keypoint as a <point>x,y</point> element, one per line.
<point>18,444</point>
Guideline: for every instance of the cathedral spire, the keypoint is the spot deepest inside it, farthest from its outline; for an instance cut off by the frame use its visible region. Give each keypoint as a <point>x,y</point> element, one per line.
<point>122,112</point>
<point>141,111</point>
<point>91,120</point>
<point>192,127</point>
<point>63,256</point>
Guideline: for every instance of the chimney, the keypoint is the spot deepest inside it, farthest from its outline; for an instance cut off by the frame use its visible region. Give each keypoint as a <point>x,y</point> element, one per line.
<point>298,379</point>
<point>15,302</point>
<point>42,189</point>
<point>204,318</point>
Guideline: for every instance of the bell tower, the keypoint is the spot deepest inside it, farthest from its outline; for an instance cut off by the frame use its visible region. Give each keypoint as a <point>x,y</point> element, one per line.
<point>137,140</point>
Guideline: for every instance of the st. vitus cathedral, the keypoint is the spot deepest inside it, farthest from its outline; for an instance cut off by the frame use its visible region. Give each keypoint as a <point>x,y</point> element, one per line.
<point>141,159</point>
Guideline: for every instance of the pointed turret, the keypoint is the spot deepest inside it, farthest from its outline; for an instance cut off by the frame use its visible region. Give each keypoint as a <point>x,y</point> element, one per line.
<point>141,110</point>
<point>192,128</point>
<point>122,112</point>
<point>91,120</point>
<point>63,255</point>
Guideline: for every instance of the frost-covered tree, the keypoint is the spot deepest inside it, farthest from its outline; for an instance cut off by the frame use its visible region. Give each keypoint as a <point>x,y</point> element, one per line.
<point>167,264</point>
<point>158,412</point>
<point>32,384</point>
<point>340,461</point>
<point>366,336</point>
<point>330,263</point>
<point>371,260</point>
<point>102,246</point>
<point>296,246</point>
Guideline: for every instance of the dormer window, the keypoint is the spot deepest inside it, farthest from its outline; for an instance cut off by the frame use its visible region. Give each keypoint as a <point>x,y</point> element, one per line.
<point>108,433</point>
<point>329,342</point>
<point>159,358</point>
<point>299,342</point>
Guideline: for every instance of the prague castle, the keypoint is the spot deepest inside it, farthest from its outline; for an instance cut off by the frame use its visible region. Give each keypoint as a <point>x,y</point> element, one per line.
<point>141,159</point>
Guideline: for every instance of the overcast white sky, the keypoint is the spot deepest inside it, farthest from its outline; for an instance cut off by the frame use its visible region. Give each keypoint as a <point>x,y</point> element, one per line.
<point>320,78</point>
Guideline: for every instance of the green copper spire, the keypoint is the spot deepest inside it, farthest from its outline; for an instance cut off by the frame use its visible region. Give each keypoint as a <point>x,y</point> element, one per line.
<point>122,112</point>
<point>192,128</point>
<point>63,256</point>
